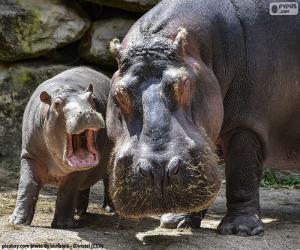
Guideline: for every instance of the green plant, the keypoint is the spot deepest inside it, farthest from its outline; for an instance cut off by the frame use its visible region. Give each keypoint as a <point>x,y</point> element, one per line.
<point>277,179</point>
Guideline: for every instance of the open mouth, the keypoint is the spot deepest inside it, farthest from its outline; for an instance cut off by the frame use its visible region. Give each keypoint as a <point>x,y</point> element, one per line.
<point>81,149</point>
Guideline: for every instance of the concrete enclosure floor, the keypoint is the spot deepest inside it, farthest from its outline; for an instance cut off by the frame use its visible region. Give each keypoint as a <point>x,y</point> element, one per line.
<point>280,209</point>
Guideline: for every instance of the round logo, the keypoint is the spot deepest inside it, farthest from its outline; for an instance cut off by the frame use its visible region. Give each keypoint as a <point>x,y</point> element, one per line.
<point>274,9</point>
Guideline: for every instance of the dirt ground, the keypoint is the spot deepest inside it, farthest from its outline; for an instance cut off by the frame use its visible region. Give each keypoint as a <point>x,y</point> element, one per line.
<point>280,208</point>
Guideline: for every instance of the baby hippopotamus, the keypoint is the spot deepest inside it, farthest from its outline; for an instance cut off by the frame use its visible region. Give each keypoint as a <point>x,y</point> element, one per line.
<point>63,143</point>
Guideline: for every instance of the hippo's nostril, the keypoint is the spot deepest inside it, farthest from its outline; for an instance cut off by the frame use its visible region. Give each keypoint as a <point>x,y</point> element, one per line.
<point>174,166</point>
<point>145,169</point>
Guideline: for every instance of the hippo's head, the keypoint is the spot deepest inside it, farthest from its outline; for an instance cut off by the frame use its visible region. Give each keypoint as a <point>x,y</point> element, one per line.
<point>164,113</point>
<point>70,126</point>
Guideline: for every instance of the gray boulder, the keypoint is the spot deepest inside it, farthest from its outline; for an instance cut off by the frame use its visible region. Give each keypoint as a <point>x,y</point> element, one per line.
<point>30,28</point>
<point>94,45</point>
<point>130,5</point>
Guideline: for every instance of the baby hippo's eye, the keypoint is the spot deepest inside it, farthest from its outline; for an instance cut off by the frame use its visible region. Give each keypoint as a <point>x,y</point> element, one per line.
<point>123,99</point>
<point>58,102</point>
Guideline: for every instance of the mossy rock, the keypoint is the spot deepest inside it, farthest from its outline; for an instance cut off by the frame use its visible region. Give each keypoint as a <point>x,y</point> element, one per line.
<point>17,83</point>
<point>129,5</point>
<point>30,28</point>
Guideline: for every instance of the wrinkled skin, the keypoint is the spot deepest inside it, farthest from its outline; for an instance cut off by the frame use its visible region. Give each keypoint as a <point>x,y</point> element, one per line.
<point>194,74</point>
<point>64,143</point>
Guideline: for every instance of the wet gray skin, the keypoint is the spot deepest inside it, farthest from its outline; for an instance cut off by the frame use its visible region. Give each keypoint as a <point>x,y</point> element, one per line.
<point>64,142</point>
<point>193,74</point>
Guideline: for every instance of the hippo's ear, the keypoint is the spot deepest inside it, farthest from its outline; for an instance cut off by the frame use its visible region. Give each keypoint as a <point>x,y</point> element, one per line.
<point>180,39</point>
<point>45,97</point>
<point>115,48</point>
<point>90,88</point>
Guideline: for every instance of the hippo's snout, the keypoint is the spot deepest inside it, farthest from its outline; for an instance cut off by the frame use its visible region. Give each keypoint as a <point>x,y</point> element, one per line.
<point>174,167</point>
<point>172,173</point>
<point>83,120</point>
<point>145,168</point>
<point>151,182</point>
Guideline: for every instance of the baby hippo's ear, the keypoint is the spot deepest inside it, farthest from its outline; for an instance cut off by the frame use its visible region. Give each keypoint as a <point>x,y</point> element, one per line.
<point>45,98</point>
<point>90,88</point>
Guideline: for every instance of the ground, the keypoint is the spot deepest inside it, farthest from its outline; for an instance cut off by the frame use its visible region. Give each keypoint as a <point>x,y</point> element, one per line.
<point>280,209</point>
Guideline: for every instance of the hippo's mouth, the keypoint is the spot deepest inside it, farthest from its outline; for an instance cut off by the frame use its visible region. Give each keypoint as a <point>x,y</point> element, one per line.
<point>81,149</point>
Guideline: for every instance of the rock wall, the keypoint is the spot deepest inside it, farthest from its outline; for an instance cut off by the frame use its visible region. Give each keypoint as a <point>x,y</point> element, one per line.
<point>41,38</point>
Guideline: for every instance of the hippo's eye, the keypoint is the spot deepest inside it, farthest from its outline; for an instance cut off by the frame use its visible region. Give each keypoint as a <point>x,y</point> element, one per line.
<point>181,90</point>
<point>58,102</point>
<point>123,99</point>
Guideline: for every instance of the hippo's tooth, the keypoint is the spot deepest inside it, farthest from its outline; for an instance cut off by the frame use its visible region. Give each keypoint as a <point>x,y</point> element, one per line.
<point>90,141</point>
<point>70,153</point>
<point>69,145</point>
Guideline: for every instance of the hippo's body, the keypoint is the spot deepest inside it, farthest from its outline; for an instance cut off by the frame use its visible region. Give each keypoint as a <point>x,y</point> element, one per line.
<point>203,71</point>
<point>63,143</point>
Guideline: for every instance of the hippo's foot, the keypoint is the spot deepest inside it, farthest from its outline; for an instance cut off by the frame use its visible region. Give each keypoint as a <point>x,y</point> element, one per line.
<point>81,212</point>
<point>20,219</point>
<point>64,223</point>
<point>22,215</point>
<point>182,220</point>
<point>107,205</point>
<point>243,225</point>
<point>108,208</point>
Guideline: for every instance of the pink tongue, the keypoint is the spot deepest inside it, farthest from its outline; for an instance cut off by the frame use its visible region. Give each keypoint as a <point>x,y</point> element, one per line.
<point>82,157</point>
<point>83,154</point>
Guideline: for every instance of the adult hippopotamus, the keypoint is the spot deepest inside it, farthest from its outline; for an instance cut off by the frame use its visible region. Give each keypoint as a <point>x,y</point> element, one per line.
<point>194,74</point>
<point>64,143</point>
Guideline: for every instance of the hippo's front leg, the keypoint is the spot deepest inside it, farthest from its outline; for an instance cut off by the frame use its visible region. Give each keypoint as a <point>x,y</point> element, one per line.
<point>66,203</point>
<point>28,192</point>
<point>244,160</point>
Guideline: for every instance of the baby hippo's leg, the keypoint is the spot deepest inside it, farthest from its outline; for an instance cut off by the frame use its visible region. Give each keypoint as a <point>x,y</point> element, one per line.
<point>66,203</point>
<point>28,192</point>
<point>82,202</point>
<point>107,202</point>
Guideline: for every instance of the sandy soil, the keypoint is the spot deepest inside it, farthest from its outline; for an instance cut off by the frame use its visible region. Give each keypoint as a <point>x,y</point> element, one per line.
<point>280,207</point>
